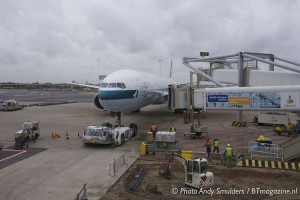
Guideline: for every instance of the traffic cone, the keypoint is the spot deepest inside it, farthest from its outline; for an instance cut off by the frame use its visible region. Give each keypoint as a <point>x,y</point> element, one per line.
<point>67,135</point>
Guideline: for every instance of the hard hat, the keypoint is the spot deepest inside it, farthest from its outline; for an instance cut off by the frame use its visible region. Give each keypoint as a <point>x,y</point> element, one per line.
<point>228,145</point>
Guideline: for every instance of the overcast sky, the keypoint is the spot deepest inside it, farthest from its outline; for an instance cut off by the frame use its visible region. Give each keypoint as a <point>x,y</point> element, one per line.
<point>65,40</point>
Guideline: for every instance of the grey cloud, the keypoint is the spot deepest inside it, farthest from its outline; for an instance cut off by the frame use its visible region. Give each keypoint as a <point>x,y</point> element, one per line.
<point>63,40</point>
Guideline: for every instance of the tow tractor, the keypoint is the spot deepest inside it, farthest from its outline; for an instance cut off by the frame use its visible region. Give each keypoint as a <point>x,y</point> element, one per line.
<point>29,131</point>
<point>107,134</point>
<point>196,170</point>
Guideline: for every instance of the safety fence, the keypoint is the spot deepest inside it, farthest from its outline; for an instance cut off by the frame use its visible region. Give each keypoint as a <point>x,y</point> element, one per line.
<point>214,158</point>
<point>117,163</point>
<point>82,193</point>
<point>265,150</point>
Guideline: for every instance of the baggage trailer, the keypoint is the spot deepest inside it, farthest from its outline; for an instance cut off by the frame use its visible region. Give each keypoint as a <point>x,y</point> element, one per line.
<point>29,131</point>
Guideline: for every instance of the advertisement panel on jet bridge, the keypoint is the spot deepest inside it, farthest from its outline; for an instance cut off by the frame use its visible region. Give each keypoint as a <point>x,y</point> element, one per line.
<point>253,100</point>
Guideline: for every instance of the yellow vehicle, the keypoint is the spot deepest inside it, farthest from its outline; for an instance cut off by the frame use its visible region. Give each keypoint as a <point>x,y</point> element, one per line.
<point>290,129</point>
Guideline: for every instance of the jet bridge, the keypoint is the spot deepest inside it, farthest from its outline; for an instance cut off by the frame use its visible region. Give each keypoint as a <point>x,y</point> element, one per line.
<point>241,59</point>
<point>270,98</point>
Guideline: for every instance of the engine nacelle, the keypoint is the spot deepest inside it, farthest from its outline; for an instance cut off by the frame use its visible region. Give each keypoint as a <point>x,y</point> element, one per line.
<point>97,103</point>
<point>161,100</point>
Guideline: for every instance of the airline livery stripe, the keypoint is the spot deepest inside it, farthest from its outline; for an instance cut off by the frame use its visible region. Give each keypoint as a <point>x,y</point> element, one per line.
<point>117,94</point>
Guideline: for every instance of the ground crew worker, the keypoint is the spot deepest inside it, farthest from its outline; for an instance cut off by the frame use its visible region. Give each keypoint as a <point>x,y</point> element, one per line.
<point>153,129</point>
<point>216,145</point>
<point>228,153</point>
<point>172,128</point>
<point>291,128</point>
<point>208,146</point>
<point>261,138</point>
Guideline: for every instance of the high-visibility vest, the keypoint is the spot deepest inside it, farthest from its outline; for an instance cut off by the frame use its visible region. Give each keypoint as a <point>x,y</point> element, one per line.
<point>228,151</point>
<point>172,129</point>
<point>216,143</point>
<point>261,138</point>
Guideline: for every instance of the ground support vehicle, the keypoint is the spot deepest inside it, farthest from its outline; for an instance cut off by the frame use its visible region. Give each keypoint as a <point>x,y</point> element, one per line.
<point>290,129</point>
<point>163,141</point>
<point>29,131</point>
<point>196,170</point>
<point>10,105</point>
<point>272,118</point>
<point>107,134</point>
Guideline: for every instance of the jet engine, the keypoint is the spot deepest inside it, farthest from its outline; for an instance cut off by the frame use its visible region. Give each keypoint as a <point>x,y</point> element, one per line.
<point>161,100</point>
<point>97,103</point>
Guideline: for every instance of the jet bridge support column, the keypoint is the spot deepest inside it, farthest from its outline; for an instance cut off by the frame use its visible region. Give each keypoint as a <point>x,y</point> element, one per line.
<point>241,81</point>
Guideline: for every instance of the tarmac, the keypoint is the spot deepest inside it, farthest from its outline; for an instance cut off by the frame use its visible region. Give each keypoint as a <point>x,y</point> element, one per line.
<point>63,166</point>
<point>60,167</point>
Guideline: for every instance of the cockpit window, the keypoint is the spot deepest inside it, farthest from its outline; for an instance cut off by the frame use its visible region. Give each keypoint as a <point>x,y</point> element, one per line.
<point>104,85</point>
<point>113,85</point>
<point>121,85</point>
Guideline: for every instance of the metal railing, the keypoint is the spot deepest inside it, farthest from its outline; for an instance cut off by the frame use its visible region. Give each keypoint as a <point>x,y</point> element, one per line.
<point>116,164</point>
<point>264,150</point>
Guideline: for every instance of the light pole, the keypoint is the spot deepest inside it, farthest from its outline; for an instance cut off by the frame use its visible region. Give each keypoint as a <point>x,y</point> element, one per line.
<point>160,60</point>
<point>98,71</point>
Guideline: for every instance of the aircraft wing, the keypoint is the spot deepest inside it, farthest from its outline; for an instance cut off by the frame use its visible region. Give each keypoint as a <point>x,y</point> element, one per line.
<point>84,85</point>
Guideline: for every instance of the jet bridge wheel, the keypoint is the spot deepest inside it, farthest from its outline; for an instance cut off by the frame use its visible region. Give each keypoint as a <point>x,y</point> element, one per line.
<point>134,128</point>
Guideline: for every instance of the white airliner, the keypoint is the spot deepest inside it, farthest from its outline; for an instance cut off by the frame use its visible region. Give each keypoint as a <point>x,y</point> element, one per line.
<point>129,90</point>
